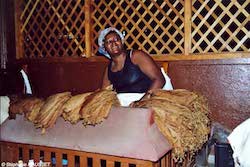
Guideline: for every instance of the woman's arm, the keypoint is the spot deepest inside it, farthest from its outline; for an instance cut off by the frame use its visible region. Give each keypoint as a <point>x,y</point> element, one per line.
<point>105,80</point>
<point>149,67</point>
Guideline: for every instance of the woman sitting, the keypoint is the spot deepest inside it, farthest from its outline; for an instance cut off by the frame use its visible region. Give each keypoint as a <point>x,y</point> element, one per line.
<point>129,71</point>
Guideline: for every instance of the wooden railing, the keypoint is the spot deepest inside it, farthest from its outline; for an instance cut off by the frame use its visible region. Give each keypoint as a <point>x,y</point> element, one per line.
<point>51,156</point>
<point>171,29</point>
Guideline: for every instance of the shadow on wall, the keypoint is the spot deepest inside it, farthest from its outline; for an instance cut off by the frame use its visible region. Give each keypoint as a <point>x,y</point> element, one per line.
<point>11,80</point>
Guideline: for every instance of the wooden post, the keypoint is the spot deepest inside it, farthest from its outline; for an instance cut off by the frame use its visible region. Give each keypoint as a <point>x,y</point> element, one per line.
<point>88,51</point>
<point>59,158</point>
<point>36,154</point>
<point>187,27</point>
<point>25,154</point>
<point>18,33</point>
<point>71,160</point>
<point>83,159</point>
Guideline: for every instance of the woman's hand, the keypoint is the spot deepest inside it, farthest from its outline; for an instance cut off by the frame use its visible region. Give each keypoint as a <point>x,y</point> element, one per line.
<point>145,97</point>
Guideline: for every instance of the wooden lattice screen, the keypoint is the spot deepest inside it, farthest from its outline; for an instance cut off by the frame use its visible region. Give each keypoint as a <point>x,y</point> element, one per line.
<point>219,26</point>
<point>52,28</point>
<point>154,26</point>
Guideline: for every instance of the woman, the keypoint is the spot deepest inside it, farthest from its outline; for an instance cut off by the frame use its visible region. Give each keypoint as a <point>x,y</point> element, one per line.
<point>129,71</point>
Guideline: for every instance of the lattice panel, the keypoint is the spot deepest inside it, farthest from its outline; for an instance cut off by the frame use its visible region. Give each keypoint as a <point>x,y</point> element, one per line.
<point>57,27</point>
<point>151,25</point>
<point>219,26</point>
<point>53,27</point>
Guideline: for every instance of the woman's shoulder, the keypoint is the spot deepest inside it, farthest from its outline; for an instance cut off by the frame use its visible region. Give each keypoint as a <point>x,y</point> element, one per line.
<point>138,52</point>
<point>138,55</point>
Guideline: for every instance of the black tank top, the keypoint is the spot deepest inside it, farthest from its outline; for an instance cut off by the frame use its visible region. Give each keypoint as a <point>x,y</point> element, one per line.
<point>130,79</point>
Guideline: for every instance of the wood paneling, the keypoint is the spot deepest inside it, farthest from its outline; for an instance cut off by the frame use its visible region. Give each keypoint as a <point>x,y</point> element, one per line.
<point>76,76</point>
<point>225,83</point>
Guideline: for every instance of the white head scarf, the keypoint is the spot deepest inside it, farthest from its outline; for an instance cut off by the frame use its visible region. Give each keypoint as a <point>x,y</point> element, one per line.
<point>102,36</point>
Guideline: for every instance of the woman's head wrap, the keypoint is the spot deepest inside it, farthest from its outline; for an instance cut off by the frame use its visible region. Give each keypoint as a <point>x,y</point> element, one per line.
<point>101,39</point>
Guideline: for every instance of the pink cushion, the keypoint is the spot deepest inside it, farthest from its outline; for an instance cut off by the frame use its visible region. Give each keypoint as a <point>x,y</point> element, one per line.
<point>128,132</point>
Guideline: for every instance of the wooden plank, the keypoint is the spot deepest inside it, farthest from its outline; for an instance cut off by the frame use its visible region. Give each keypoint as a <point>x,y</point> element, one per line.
<point>163,162</point>
<point>18,34</point>
<point>3,152</point>
<point>25,157</point>
<point>47,156</point>
<point>157,164</point>
<point>205,56</point>
<point>83,160</point>
<point>88,32</point>
<point>71,159</point>
<point>144,165</point>
<point>110,163</point>
<point>96,162</point>
<point>58,158</point>
<point>9,149</point>
<point>15,153</point>
<point>124,164</point>
<point>168,159</point>
<point>36,154</point>
<point>187,26</point>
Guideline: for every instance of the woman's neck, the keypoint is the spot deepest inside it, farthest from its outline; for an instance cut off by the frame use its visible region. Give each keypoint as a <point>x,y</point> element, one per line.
<point>118,61</point>
<point>118,58</point>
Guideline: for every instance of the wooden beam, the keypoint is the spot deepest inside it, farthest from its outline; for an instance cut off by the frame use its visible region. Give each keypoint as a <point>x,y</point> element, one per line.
<point>204,56</point>
<point>88,32</point>
<point>187,26</point>
<point>18,34</point>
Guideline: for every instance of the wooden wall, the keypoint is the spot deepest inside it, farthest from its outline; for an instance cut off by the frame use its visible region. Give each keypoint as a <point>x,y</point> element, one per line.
<point>225,83</point>
<point>48,77</point>
<point>193,37</point>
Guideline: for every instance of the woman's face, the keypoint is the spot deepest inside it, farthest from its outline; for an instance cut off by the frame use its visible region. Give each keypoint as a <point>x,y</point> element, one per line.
<point>113,44</point>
